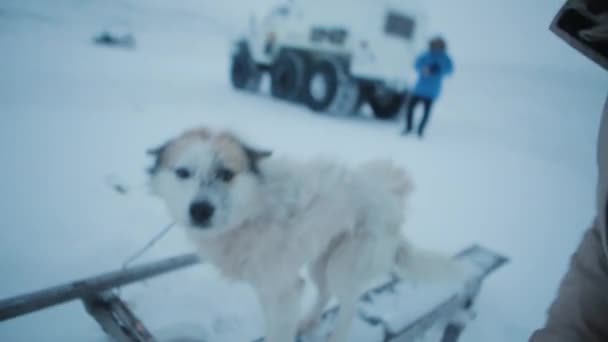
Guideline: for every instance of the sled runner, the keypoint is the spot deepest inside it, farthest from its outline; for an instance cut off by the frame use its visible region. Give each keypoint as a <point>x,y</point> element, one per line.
<point>389,305</point>
<point>399,312</point>
<point>392,312</point>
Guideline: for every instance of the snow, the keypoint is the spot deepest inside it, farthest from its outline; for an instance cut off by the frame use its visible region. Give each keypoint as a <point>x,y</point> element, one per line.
<point>508,161</point>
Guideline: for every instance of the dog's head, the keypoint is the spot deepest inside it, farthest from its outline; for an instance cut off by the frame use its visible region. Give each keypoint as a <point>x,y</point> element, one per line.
<point>210,182</point>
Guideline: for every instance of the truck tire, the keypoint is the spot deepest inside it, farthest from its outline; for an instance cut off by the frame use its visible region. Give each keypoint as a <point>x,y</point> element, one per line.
<point>385,105</point>
<point>322,86</point>
<point>287,76</point>
<point>244,74</point>
<point>330,89</point>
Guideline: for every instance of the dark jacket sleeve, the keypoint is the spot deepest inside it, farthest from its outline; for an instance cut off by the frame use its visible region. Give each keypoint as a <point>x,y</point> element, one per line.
<point>580,311</point>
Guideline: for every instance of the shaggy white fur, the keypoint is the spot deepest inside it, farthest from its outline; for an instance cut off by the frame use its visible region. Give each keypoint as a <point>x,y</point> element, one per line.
<point>343,223</point>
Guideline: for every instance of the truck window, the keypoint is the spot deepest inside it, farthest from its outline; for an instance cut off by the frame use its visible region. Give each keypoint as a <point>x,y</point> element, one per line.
<point>399,25</point>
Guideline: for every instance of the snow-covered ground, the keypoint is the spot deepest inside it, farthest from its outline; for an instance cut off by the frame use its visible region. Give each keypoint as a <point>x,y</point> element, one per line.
<point>508,161</point>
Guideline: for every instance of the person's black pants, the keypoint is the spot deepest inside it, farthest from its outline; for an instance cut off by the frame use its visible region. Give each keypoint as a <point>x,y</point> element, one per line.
<point>411,107</point>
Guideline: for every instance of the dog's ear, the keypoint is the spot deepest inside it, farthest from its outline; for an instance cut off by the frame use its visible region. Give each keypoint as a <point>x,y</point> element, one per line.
<point>157,153</point>
<point>257,154</point>
<point>254,156</point>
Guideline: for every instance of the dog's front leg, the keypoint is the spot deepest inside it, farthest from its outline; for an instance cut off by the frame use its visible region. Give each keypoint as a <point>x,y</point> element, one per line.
<point>281,307</point>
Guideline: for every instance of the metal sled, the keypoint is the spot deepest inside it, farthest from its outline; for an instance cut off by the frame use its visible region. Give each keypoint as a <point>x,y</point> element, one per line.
<point>400,312</point>
<point>391,312</point>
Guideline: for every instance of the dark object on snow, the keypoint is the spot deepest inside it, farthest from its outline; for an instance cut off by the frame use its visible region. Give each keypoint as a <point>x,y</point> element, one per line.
<point>584,27</point>
<point>114,39</point>
<point>121,189</point>
<point>117,186</point>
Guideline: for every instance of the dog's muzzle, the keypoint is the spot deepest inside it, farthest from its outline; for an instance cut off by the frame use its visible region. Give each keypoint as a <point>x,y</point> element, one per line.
<point>201,213</point>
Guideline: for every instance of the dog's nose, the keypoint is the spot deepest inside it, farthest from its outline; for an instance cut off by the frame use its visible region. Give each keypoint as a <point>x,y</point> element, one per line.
<point>201,212</point>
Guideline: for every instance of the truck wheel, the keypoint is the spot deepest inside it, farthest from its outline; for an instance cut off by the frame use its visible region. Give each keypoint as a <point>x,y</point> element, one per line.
<point>329,89</point>
<point>385,104</point>
<point>243,72</point>
<point>287,76</point>
<point>321,86</point>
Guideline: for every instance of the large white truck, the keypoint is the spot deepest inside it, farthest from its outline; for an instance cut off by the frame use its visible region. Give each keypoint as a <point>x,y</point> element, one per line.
<point>334,55</point>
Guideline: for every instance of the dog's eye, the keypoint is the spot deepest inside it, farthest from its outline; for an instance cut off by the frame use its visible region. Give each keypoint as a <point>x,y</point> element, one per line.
<point>224,174</point>
<point>183,173</point>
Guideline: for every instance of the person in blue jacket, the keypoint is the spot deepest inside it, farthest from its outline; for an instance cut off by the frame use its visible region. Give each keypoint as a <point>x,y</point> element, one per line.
<point>432,66</point>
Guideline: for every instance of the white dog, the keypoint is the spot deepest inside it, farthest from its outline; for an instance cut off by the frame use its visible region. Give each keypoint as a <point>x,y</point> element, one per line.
<point>262,220</point>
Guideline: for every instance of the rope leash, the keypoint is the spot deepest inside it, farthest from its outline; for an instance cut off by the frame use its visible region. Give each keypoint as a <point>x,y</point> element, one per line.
<point>128,261</point>
<point>147,246</point>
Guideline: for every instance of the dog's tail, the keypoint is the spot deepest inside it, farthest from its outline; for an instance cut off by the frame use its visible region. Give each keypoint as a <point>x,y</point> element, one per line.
<point>421,265</point>
<point>396,179</point>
